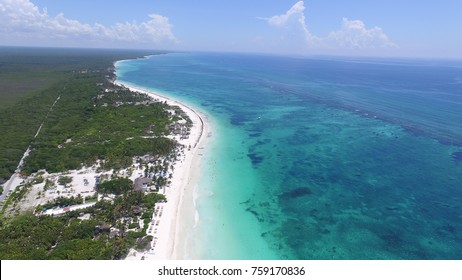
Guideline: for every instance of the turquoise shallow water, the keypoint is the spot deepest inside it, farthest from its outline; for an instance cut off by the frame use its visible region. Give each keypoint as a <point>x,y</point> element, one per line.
<point>321,158</point>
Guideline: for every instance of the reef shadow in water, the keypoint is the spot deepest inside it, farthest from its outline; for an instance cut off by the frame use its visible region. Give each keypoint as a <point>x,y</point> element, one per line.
<point>296,193</point>
<point>256,159</point>
<point>457,156</point>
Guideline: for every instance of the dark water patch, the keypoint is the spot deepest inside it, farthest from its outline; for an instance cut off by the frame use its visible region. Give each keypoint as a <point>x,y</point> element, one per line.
<point>296,193</point>
<point>314,212</point>
<point>238,120</point>
<point>365,110</point>
<point>264,204</point>
<point>442,204</point>
<point>256,214</point>
<point>303,136</point>
<point>398,242</point>
<point>446,230</point>
<point>457,156</point>
<point>393,238</point>
<point>246,202</point>
<point>239,117</point>
<point>261,142</point>
<point>255,158</point>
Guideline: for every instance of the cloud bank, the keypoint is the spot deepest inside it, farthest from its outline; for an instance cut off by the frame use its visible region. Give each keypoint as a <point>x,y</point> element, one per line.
<point>353,34</point>
<point>21,18</point>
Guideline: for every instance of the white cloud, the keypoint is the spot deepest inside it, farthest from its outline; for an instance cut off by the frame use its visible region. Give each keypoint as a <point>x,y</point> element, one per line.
<point>353,34</point>
<point>295,16</point>
<point>295,12</point>
<point>21,18</point>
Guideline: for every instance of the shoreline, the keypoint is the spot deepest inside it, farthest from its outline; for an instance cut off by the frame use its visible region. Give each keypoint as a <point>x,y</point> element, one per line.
<point>168,236</point>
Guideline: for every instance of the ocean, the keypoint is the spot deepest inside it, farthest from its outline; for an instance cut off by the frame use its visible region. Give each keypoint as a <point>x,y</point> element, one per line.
<point>320,158</point>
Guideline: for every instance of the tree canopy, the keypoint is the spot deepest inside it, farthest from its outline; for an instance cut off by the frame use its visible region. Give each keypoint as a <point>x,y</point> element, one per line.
<point>117,186</point>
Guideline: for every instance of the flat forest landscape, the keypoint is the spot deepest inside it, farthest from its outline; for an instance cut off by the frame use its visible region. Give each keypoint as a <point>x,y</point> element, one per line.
<point>85,120</point>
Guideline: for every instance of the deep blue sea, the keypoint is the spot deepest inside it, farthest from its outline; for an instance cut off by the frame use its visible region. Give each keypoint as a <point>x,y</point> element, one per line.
<point>321,158</point>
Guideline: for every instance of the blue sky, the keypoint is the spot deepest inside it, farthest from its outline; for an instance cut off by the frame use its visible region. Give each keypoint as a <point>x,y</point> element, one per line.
<point>422,28</point>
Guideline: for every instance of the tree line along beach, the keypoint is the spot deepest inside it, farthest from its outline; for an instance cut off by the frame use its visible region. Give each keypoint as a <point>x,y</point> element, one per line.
<point>106,169</point>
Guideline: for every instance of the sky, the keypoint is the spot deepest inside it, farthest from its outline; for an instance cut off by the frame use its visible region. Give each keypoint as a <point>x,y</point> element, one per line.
<point>412,28</point>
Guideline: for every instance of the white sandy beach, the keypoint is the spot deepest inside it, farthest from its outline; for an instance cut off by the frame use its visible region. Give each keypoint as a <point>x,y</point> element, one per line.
<point>168,218</point>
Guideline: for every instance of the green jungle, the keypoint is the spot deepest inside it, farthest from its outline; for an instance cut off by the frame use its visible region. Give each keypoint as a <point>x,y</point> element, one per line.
<point>83,118</point>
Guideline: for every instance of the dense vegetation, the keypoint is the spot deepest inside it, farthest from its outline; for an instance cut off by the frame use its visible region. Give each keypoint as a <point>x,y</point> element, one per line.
<point>30,81</point>
<point>86,119</point>
<point>70,238</point>
<point>116,186</point>
<point>29,71</point>
<point>18,124</point>
<point>81,129</point>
